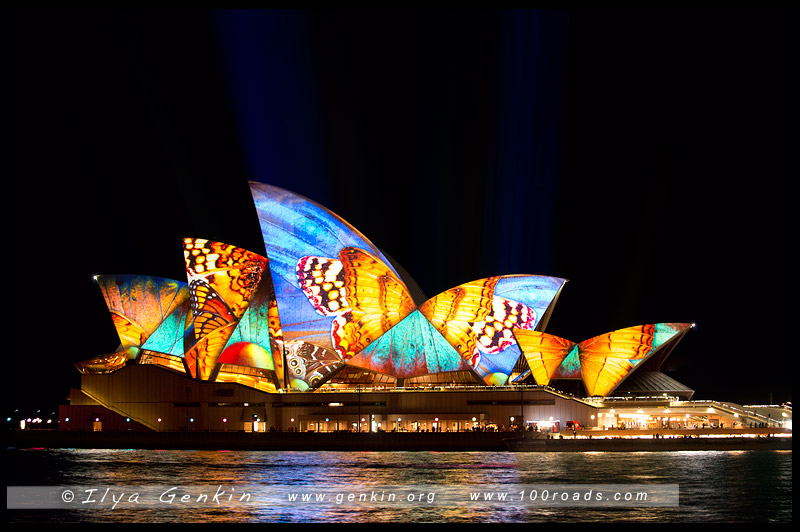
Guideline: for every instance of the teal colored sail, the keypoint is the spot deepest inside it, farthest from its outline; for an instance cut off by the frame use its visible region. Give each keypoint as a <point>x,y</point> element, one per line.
<point>411,348</point>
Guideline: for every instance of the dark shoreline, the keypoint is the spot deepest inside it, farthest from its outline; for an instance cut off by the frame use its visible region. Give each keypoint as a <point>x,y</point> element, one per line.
<point>384,441</point>
<point>646,444</point>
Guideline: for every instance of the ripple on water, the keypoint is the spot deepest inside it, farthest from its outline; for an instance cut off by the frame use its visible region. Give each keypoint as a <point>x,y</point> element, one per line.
<point>714,486</point>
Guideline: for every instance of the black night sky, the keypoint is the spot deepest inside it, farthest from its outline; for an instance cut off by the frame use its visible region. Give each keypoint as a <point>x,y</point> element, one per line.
<point>645,155</point>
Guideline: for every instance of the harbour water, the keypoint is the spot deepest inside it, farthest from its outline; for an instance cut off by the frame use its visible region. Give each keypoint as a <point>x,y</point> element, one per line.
<point>150,486</point>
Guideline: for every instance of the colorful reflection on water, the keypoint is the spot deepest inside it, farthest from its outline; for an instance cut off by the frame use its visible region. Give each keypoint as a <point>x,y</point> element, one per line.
<point>714,486</point>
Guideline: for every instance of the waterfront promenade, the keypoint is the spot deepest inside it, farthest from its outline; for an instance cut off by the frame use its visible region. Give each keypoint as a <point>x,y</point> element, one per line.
<point>582,440</point>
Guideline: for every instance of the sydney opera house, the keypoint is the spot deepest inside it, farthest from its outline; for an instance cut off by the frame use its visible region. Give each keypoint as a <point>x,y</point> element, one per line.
<point>324,334</point>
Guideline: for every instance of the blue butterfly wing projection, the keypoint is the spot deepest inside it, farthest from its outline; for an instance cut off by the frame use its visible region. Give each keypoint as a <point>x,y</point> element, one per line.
<point>535,295</point>
<point>478,318</point>
<point>336,290</point>
<point>538,292</point>
<point>294,227</point>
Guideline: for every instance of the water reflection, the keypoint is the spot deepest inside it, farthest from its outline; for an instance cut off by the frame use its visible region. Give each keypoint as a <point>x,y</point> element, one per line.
<point>716,486</point>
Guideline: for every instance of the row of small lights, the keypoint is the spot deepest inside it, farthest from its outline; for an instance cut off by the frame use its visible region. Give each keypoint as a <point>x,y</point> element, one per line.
<point>36,419</point>
<point>31,420</point>
<point>363,420</point>
<point>640,411</point>
<point>225,420</point>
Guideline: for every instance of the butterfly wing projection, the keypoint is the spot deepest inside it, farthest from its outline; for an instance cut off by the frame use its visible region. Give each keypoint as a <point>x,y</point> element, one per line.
<point>453,311</point>
<point>478,318</point>
<point>210,311</point>
<point>257,340</point>
<point>201,358</point>
<point>336,290</point>
<point>222,278</point>
<point>370,303</point>
<point>605,360</point>
<point>294,227</point>
<point>308,366</point>
<point>543,352</point>
<point>411,348</point>
<point>365,296</point>
<point>376,297</point>
<point>139,304</point>
<point>168,338</point>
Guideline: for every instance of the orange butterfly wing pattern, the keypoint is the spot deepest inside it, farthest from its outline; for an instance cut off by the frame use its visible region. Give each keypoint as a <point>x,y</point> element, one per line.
<point>130,334</point>
<point>210,311</point>
<point>543,352</point>
<point>454,311</point>
<point>276,337</point>
<point>607,358</point>
<point>257,342</point>
<point>365,296</point>
<point>368,300</point>
<point>233,272</point>
<point>212,323</point>
<point>371,286</point>
<point>201,359</point>
<point>604,361</point>
<point>377,298</point>
<point>222,278</point>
